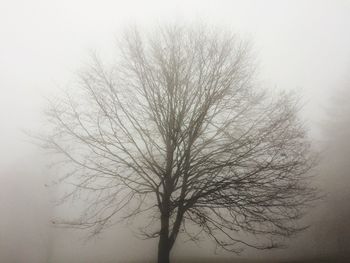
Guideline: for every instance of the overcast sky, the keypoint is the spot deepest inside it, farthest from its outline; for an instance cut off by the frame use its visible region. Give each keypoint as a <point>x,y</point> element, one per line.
<point>302,45</point>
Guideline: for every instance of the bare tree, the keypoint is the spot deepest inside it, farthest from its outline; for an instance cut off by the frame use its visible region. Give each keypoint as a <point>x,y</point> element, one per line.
<point>178,130</point>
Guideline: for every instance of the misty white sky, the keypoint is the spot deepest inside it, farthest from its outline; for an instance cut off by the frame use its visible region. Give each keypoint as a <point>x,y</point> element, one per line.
<point>303,45</point>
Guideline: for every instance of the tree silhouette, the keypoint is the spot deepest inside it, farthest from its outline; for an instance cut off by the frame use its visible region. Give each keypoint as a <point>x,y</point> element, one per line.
<point>177,130</point>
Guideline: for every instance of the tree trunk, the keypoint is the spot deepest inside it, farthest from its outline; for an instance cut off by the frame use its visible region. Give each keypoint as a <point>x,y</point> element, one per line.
<point>164,250</point>
<point>164,245</point>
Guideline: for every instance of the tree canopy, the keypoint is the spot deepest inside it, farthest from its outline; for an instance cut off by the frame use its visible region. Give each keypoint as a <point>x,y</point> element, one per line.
<point>178,129</point>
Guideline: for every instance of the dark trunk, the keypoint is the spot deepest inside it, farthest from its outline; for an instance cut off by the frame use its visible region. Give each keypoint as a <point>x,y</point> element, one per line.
<point>163,250</point>
<point>167,240</point>
<point>164,246</point>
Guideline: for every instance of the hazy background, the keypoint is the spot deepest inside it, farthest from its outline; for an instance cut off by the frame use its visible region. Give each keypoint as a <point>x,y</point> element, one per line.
<point>302,45</point>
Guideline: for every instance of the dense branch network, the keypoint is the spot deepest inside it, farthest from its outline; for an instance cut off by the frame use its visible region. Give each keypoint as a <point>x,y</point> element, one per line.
<point>178,130</point>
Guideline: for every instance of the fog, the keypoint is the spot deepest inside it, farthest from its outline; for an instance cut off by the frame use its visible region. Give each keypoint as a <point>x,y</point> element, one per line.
<point>299,45</point>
